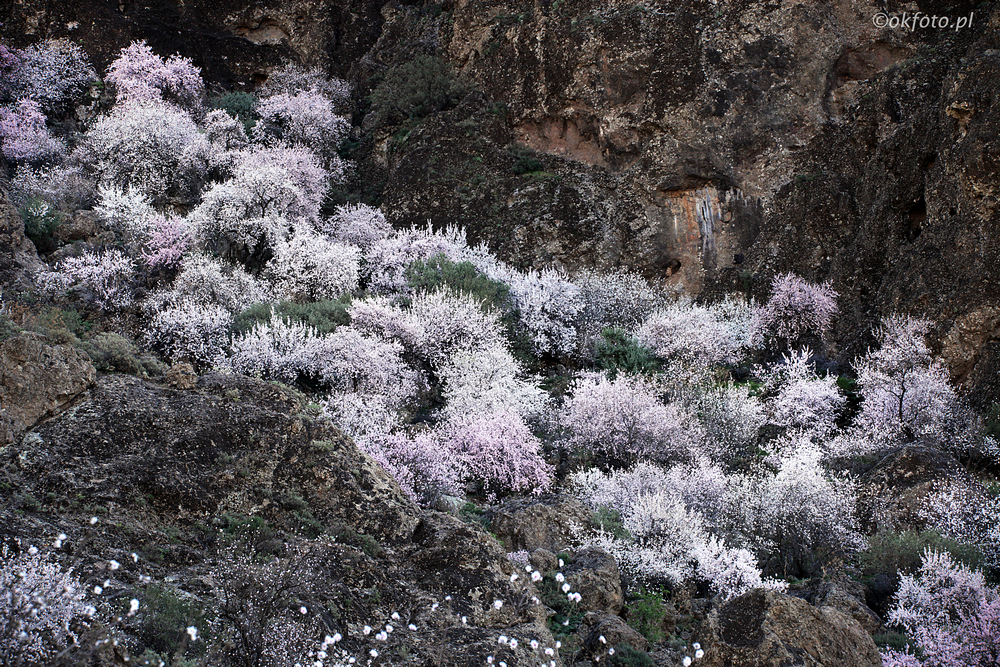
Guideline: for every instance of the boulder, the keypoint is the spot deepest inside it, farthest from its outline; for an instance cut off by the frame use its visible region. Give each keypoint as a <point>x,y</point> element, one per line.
<point>598,632</point>
<point>181,376</point>
<point>764,628</point>
<point>532,524</point>
<point>593,573</point>
<point>18,259</point>
<point>845,595</point>
<point>36,380</point>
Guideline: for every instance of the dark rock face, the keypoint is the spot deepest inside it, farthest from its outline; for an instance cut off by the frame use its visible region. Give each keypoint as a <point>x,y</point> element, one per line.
<point>767,629</point>
<point>37,380</point>
<point>236,445</point>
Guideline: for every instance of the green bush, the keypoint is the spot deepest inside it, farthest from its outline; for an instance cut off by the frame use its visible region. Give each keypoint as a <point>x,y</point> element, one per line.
<point>525,161</point>
<point>645,616</point>
<point>439,271</point>
<point>164,618</point>
<point>113,353</point>
<point>889,551</point>
<point>610,521</point>
<point>40,222</point>
<point>617,351</point>
<point>241,106</point>
<point>324,316</point>
<point>414,90</point>
<point>626,656</point>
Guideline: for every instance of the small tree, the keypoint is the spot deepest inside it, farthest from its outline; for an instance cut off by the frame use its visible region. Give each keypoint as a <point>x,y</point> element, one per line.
<point>141,76</point>
<point>797,308</point>
<point>906,392</point>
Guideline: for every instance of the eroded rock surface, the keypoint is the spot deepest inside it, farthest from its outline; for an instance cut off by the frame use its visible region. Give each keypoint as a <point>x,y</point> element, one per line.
<point>767,629</point>
<point>36,380</point>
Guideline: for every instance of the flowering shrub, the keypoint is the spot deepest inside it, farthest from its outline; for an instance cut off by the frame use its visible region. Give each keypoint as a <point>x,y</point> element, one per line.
<point>619,299</point>
<point>950,614</point>
<point>25,137</point>
<point>547,305</point>
<point>801,515</point>
<point>499,453</point>
<point>698,335</point>
<point>305,119</point>
<point>127,212</point>
<point>358,224</point>
<point>449,322</point>
<point>666,535</point>
<point>309,267</point>
<point>203,280</point>
<point>487,381</point>
<point>169,238</point>
<point>906,393</point>
<point>67,187</point>
<point>38,604</point>
<point>624,419</point>
<point>348,361</point>
<point>435,326</point>
<point>190,332</point>
<point>141,76</point>
<point>55,73</point>
<point>388,259</point>
<point>733,418</point>
<point>423,468</point>
<point>275,350</point>
<point>102,277</point>
<point>964,513</point>
<point>797,307</point>
<point>150,145</point>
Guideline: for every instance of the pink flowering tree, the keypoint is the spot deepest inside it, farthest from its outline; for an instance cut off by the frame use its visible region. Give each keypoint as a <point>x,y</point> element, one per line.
<point>424,469</point>
<point>55,73</point>
<point>26,139</point>
<point>245,218</point>
<point>141,76</point>
<point>169,239</point>
<point>950,615</point>
<point>798,398</point>
<point>796,308</point>
<point>906,392</point>
<point>305,119</point>
<point>291,79</point>
<point>499,453</point>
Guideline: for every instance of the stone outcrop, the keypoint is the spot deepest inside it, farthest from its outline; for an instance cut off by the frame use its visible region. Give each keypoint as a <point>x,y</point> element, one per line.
<point>18,259</point>
<point>37,380</point>
<point>539,524</point>
<point>767,629</point>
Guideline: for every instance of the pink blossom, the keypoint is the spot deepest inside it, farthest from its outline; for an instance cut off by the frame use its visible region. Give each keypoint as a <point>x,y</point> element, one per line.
<point>141,76</point>
<point>25,136</point>
<point>797,307</point>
